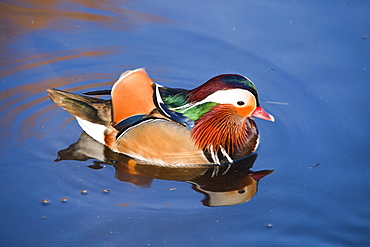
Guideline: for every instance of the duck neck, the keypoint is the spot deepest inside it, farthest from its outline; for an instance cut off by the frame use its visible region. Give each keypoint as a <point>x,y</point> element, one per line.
<point>221,128</point>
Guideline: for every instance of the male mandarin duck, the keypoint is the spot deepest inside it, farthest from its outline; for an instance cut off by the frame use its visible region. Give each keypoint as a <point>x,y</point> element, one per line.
<point>210,124</point>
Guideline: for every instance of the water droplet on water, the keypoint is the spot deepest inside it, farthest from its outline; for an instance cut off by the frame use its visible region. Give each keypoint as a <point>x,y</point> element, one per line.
<point>269,225</point>
<point>106,191</point>
<point>64,199</point>
<point>45,202</point>
<point>83,192</point>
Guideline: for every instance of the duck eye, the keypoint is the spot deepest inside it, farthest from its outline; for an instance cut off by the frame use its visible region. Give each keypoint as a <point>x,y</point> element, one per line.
<point>240,103</point>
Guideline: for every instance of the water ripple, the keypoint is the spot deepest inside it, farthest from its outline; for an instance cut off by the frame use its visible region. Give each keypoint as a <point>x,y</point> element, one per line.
<point>49,58</point>
<point>23,103</point>
<point>21,17</point>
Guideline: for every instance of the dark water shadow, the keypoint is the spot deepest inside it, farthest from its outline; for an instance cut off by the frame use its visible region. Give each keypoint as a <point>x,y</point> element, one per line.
<point>221,185</point>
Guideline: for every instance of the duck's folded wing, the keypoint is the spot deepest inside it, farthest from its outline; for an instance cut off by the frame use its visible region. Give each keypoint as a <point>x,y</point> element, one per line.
<point>166,100</point>
<point>161,142</point>
<point>132,95</point>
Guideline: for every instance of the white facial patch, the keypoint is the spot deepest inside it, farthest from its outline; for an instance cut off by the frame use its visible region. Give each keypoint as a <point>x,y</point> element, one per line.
<point>237,97</point>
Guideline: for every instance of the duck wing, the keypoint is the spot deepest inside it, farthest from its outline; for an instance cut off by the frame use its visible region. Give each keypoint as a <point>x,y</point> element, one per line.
<point>159,141</point>
<point>167,100</point>
<point>132,95</point>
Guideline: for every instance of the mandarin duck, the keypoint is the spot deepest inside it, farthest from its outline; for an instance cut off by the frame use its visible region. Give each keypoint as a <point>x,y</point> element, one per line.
<point>210,124</point>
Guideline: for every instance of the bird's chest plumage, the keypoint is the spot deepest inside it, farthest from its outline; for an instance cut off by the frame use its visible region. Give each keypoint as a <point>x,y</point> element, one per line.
<point>223,131</point>
<point>227,141</point>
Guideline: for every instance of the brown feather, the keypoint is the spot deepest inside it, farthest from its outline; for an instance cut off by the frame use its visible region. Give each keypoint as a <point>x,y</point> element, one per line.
<point>162,142</point>
<point>132,95</point>
<point>223,127</point>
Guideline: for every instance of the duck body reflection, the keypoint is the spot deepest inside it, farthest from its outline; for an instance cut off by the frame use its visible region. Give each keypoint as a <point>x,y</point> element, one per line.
<point>211,124</point>
<point>222,185</point>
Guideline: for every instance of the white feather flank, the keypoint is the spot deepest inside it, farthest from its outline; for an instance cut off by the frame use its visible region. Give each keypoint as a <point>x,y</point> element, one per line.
<point>160,101</point>
<point>257,143</point>
<point>214,156</point>
<point>96,131</point>
<point>226,155</point>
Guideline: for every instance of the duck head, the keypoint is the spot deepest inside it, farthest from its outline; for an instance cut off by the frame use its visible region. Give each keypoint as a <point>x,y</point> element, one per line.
<point>238,91</point>
<point>222,110</point>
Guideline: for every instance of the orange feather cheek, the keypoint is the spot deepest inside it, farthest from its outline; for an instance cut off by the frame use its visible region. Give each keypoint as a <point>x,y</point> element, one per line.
<point>245,111</point>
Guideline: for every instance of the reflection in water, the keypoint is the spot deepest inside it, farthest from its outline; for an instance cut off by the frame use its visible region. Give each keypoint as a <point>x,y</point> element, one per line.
<point>24,16</point>
<point>222,185</point>
<point>34,61</point>
<point>22,23</point>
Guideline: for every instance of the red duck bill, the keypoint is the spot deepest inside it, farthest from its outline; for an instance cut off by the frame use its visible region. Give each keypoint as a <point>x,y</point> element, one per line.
<point>259,112</point>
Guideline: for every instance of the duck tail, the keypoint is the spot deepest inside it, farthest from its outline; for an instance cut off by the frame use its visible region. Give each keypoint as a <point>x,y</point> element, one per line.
<point>94,110</point>
<point>93,115</point>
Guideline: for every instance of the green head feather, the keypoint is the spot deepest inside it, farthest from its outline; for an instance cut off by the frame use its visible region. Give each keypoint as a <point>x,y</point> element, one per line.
<point>195,112</point>
<point>174,97</point>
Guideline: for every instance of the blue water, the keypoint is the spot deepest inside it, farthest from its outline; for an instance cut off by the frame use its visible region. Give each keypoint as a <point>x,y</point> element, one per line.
<point>310,61</point>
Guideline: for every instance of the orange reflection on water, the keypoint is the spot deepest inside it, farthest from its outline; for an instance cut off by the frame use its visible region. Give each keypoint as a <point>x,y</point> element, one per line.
<point>23,16</point>
<point>21,20</point>
<point>49,58</point>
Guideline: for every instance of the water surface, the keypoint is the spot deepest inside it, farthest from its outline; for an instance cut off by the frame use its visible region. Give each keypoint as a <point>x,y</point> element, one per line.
<point>309,60</point>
